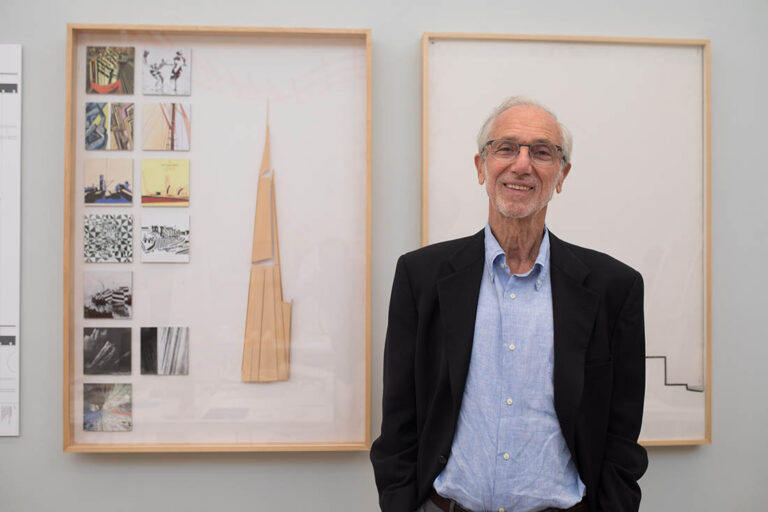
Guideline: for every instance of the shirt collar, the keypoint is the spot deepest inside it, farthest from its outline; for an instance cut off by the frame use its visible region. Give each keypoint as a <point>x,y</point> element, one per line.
<point>493,251</point>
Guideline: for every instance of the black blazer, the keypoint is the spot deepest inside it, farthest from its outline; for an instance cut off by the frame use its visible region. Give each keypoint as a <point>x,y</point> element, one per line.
<point>599,372</point>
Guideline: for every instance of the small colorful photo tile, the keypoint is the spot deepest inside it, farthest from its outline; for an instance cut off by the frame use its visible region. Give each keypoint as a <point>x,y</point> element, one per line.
<point>164,182</point>
<point>121,118</point>
<point>107,407</point>
<point>108,181</point>
<point>165,126</point>
<point>109,70</point>
<point>96,125</point>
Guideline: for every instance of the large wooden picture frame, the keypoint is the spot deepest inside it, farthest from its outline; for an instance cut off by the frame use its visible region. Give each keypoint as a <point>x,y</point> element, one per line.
<point>167,340</point>
<point>639,189</point>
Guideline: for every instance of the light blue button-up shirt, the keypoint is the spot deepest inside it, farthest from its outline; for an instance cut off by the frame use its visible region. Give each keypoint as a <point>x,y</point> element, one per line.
<point>508,451</point>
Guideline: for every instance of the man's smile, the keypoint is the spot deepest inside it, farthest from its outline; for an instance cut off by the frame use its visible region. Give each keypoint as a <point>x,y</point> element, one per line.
<point>518,187</point>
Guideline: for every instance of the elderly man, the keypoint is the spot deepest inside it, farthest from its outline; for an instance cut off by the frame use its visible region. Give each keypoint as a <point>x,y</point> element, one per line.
<point>514,367</point>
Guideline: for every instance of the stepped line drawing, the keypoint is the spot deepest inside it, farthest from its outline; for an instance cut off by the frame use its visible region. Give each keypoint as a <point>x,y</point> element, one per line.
<point>698,388</point>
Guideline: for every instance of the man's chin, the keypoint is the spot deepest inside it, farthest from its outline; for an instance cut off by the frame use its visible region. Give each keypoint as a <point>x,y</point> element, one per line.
<point>515,212</point>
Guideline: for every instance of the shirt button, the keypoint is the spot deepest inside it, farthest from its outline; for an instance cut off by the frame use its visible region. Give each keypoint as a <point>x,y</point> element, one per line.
<point>538,281</point>
<point>506,456</point>
<point>509,401</point>
<point>512,295</point>
<point>512,346</point>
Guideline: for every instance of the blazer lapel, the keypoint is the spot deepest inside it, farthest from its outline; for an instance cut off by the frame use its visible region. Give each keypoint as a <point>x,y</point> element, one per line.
<point>458,294</point>
<point>574,308</point>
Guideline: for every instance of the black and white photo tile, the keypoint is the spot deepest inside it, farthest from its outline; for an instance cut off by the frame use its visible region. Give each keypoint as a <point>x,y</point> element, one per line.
<point>108,238</point>
<point>165,236</point>
<point>167,71</point>
<point>107,350</point>
<point>107,408</point>
<point>107,294</point>
<point>165,350</point>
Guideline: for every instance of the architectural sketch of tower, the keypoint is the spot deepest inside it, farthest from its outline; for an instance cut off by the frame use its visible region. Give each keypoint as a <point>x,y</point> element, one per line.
<point>266,348</point>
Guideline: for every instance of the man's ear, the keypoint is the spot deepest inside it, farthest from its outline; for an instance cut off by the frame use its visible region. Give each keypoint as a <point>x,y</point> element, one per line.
<point>563,175</point>
<point>480,169</point>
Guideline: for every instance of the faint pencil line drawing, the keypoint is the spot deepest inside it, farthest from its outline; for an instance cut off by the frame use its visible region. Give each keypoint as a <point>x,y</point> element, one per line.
<point>6,414</point>
<point>266,346</point>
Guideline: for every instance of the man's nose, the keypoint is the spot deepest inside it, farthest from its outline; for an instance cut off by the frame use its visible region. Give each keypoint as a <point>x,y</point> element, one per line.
<point>523,160</point>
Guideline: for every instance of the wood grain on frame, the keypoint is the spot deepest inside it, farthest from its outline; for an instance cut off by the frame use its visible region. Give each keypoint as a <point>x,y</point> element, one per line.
<point>262,226</point>
<point>269,340</point>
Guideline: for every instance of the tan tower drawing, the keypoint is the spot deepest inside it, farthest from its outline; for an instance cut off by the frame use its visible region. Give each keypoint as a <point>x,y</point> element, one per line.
<point>266,349</point>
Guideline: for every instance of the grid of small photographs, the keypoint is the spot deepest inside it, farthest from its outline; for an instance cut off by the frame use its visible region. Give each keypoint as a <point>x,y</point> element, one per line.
<point>108,179</point>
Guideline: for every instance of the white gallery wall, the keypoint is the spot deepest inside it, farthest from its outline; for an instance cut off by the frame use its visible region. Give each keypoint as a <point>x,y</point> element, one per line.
<point>730,474</point>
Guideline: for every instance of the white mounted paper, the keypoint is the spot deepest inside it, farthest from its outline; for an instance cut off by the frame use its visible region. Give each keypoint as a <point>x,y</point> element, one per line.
<point>10,235</point>
<point>637,189</point>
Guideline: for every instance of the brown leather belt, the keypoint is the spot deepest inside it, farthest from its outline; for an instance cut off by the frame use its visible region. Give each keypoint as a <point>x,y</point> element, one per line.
<point>445,505</point>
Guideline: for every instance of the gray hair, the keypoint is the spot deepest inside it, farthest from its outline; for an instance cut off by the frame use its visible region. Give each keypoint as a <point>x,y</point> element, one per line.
<point>485,131</point>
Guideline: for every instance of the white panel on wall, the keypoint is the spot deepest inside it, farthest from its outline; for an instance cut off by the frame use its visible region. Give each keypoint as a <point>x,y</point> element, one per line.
<point>635,191</point>
<point>10,235</point>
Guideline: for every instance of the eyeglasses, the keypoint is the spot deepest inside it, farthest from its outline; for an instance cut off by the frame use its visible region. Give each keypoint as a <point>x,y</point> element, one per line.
<point>505,150</point>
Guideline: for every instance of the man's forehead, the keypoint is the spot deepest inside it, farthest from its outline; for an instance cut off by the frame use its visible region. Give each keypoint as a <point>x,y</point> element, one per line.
<point>526,121</point>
